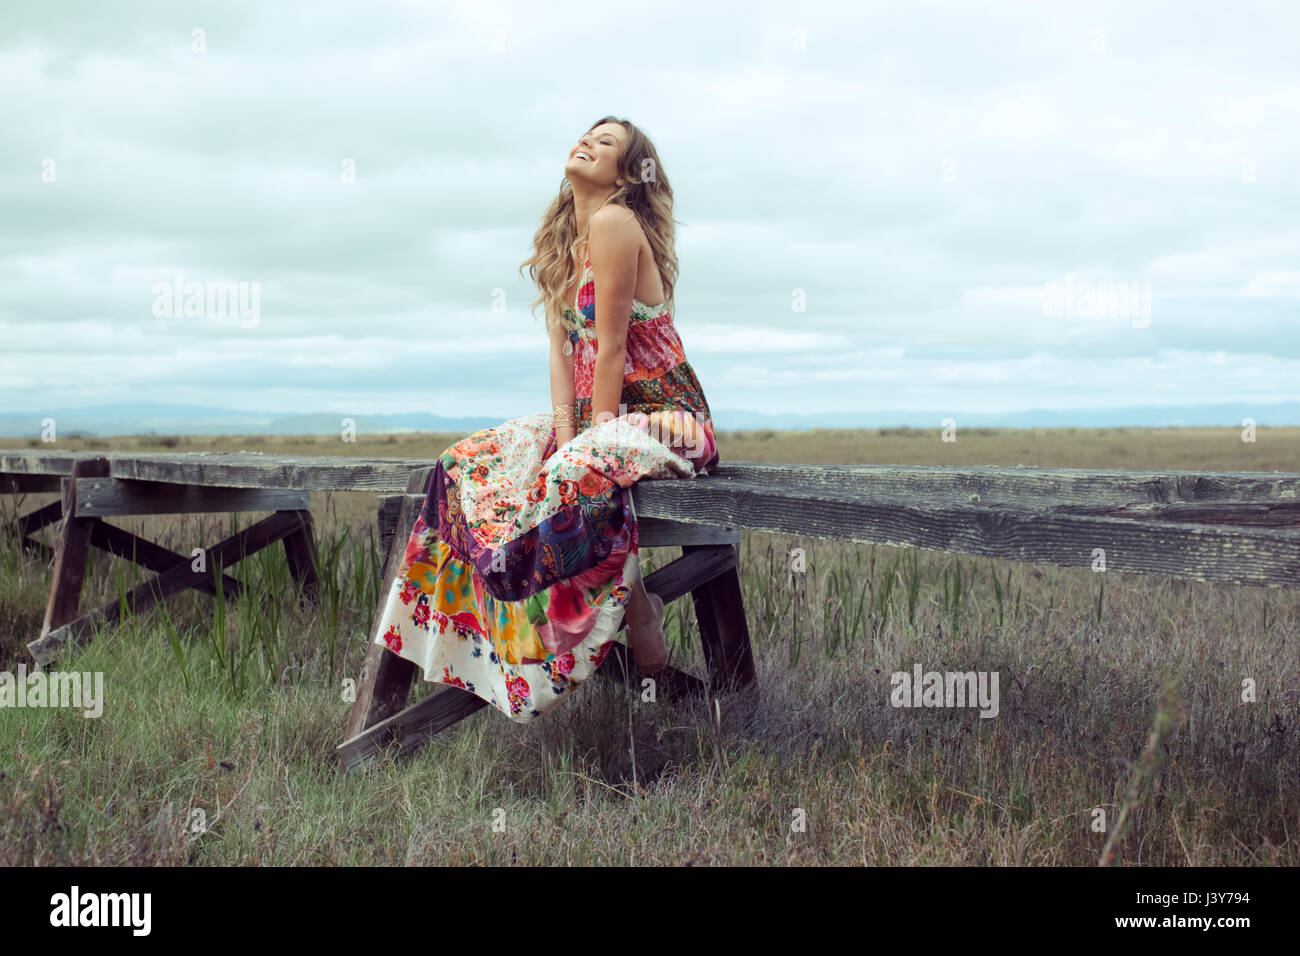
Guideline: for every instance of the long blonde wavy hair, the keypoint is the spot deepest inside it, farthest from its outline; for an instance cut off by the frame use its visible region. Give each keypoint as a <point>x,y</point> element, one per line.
<point>645,193</point>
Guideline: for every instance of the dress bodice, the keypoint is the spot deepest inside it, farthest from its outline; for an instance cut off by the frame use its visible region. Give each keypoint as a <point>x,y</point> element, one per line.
<point>656,375</point>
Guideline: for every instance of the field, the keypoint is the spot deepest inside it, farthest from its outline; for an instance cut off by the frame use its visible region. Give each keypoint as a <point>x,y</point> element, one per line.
<point>1119,695</point>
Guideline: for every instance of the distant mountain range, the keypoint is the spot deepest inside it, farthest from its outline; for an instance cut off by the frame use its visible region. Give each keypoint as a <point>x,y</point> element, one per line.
<point>142,419</point>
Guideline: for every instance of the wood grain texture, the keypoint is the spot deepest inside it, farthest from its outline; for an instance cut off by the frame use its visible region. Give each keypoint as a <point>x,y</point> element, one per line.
<point>228,469</point>
<point>1025,486</point>
<point>1255,556</point>
<point>108,497</point>
<point>988,484</point>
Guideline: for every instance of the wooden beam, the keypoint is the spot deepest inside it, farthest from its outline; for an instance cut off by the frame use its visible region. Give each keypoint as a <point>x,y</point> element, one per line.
<point>30,484</point>
<point>229,469</point>
<point>991,484</point>
<point>304,562</point>
<point>41,517</point>
<point>390,506</point>
<point>664,533</point>
<point>410,729</point>
<point>1255,556</point>
<point>107,497</point>
<point>34,521</point>
<point>724,632</point>
<point>45,461</point>
<point>230,551</point>
<point>123,544</point>
<point>987,484</point>
<point>689,572</point>
<point>73,546</point>
<point>305,473</point>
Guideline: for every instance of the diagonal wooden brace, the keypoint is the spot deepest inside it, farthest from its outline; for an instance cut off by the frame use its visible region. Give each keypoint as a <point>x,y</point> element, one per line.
<point>179,577</point>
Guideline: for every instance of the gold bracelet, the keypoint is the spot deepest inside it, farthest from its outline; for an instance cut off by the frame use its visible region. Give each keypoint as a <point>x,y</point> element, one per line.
<point>563,415</point>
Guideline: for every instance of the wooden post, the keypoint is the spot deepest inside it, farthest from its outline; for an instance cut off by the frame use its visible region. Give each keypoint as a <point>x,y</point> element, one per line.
<point>300,550</point>
<point>73,546</point>
<point>724,632</point>
<point>385,682</point>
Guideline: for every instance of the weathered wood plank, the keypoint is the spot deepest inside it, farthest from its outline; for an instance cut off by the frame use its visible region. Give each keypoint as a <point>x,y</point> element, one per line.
<point>1254,556</point>
<point>229,469</point>
<point>307,474</point>
<point>42,461</point>
<point>233,549</point>
<point>992,484</point>
<point>1254,514</point>
<point>988,484</point>
<point>665,533</point>
<point>108,497</point>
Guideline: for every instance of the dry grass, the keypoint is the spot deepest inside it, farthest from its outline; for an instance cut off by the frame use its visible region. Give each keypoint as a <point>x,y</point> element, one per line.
<point>1125,698</point>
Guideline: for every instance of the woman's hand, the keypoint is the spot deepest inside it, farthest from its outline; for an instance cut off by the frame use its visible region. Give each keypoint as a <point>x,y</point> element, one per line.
<point>564,434</point>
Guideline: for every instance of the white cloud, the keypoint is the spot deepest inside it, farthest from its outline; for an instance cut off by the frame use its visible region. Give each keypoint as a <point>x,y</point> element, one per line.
<point>917,173</point>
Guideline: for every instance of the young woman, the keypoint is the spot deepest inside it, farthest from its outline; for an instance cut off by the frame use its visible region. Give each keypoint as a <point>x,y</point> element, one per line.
<point>523,561</point>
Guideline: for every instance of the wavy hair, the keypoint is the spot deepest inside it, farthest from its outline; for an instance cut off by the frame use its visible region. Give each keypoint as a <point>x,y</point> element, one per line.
<point>645,193</point>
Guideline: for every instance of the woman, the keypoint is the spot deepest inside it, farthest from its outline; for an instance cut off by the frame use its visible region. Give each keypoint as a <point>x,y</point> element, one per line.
<point>523,560</point>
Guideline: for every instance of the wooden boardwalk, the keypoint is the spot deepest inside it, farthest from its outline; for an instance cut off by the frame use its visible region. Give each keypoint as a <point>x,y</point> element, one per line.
<point>1240,528</point>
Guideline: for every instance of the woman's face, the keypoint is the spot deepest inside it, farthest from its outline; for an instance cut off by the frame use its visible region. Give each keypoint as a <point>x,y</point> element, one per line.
<point>595,158</point>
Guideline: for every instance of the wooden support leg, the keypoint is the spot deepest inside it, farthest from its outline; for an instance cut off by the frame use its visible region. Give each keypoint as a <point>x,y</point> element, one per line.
<point>385,682</point>
<point>723,629</point>
<point>300,550</point>
<point>73,546</point>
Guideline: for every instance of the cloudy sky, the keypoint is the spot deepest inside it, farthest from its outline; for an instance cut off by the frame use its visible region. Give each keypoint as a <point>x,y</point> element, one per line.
<point>880,205</point>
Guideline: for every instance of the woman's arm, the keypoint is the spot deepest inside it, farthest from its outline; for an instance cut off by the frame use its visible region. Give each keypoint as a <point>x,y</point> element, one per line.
<point>562,382</point>
<point>615,240</point>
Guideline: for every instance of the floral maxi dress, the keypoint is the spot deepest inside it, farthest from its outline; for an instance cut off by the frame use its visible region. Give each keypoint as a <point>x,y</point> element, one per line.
<point>516,574</point>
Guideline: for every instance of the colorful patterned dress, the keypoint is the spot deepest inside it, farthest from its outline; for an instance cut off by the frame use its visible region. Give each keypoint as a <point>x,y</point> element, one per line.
<point>517,572</point>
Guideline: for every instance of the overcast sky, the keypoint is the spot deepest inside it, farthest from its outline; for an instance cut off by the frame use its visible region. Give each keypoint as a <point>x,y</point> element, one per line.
<point>873,199</point>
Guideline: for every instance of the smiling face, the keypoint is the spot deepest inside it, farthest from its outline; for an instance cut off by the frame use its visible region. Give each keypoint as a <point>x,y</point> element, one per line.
<point>595,158</point>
